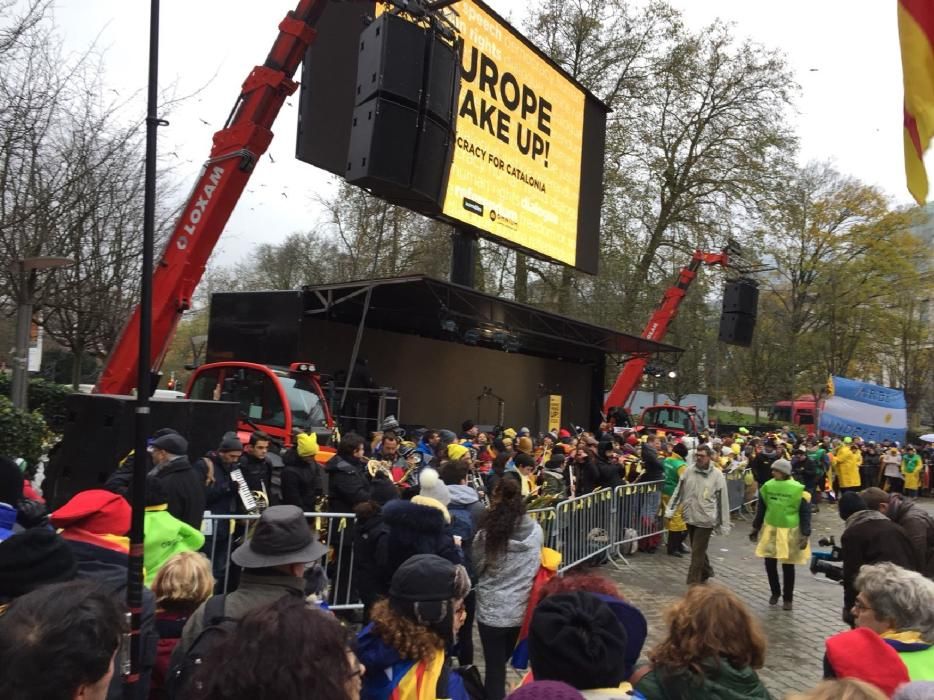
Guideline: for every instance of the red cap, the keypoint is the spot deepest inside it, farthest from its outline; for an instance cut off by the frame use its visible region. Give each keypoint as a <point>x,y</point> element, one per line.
<point>97,511</point>
<point>564,433</point>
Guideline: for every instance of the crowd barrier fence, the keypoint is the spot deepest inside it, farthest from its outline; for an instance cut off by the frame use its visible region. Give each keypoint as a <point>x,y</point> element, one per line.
<point>604,526</point>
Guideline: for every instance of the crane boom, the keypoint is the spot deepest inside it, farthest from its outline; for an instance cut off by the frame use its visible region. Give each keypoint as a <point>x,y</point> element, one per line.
<point>236,150</point>
<point>631,374</point>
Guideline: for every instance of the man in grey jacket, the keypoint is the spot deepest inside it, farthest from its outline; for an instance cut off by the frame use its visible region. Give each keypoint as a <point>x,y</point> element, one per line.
<point>701,493</point>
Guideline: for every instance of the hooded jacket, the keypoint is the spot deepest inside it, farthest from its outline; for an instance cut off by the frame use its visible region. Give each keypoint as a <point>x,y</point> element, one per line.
<point>720,681</point>
<point>919,526</point>
<point>868,538</point>
<point>466,510</point>
<point>703,496</point>
<point>416,529</point>
<point>503,585</point>
<point>165,536</point>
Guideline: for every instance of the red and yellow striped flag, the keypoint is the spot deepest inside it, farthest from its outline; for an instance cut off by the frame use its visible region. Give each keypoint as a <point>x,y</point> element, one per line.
<point>916,33</point>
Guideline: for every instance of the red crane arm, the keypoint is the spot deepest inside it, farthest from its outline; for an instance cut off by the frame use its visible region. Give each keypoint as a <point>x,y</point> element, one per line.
<point>631,374</point>
<point>237,148</point>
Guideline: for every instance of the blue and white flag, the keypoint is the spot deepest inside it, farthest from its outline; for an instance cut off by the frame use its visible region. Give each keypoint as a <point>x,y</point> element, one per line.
<point>869,411</point>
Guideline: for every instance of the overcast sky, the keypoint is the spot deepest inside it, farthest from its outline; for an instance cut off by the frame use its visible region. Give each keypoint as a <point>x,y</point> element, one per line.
<point>845,54</point>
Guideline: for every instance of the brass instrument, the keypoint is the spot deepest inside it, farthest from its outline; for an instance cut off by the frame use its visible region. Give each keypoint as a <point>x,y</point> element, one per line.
<point>378,466</point>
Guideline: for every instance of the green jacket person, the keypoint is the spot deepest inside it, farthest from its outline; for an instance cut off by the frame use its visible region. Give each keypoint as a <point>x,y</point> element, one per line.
<point>782,526</point>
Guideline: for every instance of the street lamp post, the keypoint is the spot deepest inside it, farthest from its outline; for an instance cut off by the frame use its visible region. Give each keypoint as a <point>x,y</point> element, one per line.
<point>27,270</point>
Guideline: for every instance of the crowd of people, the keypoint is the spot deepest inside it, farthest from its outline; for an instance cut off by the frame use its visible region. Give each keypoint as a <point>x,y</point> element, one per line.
<point>441,543</point>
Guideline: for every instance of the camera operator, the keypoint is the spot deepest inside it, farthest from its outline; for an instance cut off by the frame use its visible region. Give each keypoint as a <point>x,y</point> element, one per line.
<point>868,538</point>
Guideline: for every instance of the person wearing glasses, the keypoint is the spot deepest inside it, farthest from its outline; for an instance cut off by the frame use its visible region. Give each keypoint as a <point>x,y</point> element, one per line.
<point>893,642</point>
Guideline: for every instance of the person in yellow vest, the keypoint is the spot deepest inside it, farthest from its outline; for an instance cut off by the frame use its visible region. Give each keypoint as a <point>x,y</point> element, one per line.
<point>846,466</point>
<point>782,527</point>
<point>912,468</point>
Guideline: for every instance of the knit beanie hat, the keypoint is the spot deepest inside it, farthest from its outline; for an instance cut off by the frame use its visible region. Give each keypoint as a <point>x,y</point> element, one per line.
<point>918,690</point>
<point>423,589</point>
<point>546,690</point>
<point>576,638</point>
<point>781,465</point>
<point>11,482</point>
<point>509,432</point>
<point>524,444</point>
<point>430,485</point>
<point>307,444</point>
<point>456,451</point>
<point>34,558</point>
<point>230,443</point>
<point>97,511</point>
<point>851,502</point>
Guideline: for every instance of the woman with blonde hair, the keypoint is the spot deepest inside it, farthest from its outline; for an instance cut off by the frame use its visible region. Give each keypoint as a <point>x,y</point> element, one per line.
<point>712,649</point>
<point>846,689</point>
<point>181,585</point>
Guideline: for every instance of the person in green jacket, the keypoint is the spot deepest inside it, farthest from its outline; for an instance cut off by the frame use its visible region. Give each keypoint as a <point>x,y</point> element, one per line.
<point>713,646</point>
<point>782,527</point>
<point>674,467</point>
<point>164,534</point>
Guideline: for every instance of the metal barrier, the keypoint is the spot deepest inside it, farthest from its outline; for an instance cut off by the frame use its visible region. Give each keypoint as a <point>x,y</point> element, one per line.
<point>335,530</point>
<point>742,495</point>
<point>640,515</point>
<point>546,517</point>
<point>601,526</point>
<point>584,528</point>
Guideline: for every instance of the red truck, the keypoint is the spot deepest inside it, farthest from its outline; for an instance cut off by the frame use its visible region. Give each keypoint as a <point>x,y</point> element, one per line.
<point>802,412</point>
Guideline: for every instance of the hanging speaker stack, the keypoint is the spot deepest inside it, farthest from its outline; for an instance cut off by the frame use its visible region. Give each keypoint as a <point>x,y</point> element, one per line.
<point>401,145</point>
<point>738,317</point>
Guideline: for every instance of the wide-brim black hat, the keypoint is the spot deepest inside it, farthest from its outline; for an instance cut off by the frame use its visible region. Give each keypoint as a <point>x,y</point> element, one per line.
<point>282,536</point>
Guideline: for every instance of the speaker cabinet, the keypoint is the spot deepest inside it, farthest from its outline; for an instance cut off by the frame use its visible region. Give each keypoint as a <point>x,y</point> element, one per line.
<point>99,432</point>
<point>741,297</point>
<point>737,329</point>
<point>431,167</point>
<point>391,61</point>
<point>382,147</point>
<point>442,82</point>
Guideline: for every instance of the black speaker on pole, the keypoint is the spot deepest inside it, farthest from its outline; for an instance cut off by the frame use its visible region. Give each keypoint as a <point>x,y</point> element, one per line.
<point>741,296</point>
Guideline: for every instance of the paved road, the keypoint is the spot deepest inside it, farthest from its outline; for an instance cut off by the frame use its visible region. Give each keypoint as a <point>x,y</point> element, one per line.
<point>796,638</point>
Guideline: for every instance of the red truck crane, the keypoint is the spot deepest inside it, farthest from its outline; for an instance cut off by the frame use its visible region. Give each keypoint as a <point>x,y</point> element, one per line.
<point>631,374</point>
<point>238,146</point>
<point>290,397</point>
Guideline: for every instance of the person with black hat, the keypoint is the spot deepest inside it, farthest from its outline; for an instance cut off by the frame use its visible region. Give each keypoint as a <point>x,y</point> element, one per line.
<point>578,639</point>
<point>31,559</point>
<point>180,482</point>
<point>222,497</point>
<point>405,647</point>
<point>868,538</point>
<point>274,560</point>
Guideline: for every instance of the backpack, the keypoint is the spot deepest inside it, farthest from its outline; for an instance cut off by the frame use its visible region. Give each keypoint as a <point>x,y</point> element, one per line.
<point>178,682</point>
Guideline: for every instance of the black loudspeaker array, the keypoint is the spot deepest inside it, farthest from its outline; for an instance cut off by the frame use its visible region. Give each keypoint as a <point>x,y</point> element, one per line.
<point>99,433</point>
<point>738,317</point>
<point>401,141</point>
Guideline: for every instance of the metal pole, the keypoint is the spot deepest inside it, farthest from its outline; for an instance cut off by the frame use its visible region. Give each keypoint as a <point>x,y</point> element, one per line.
<point>20,383</point>
<point>134,589</point>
